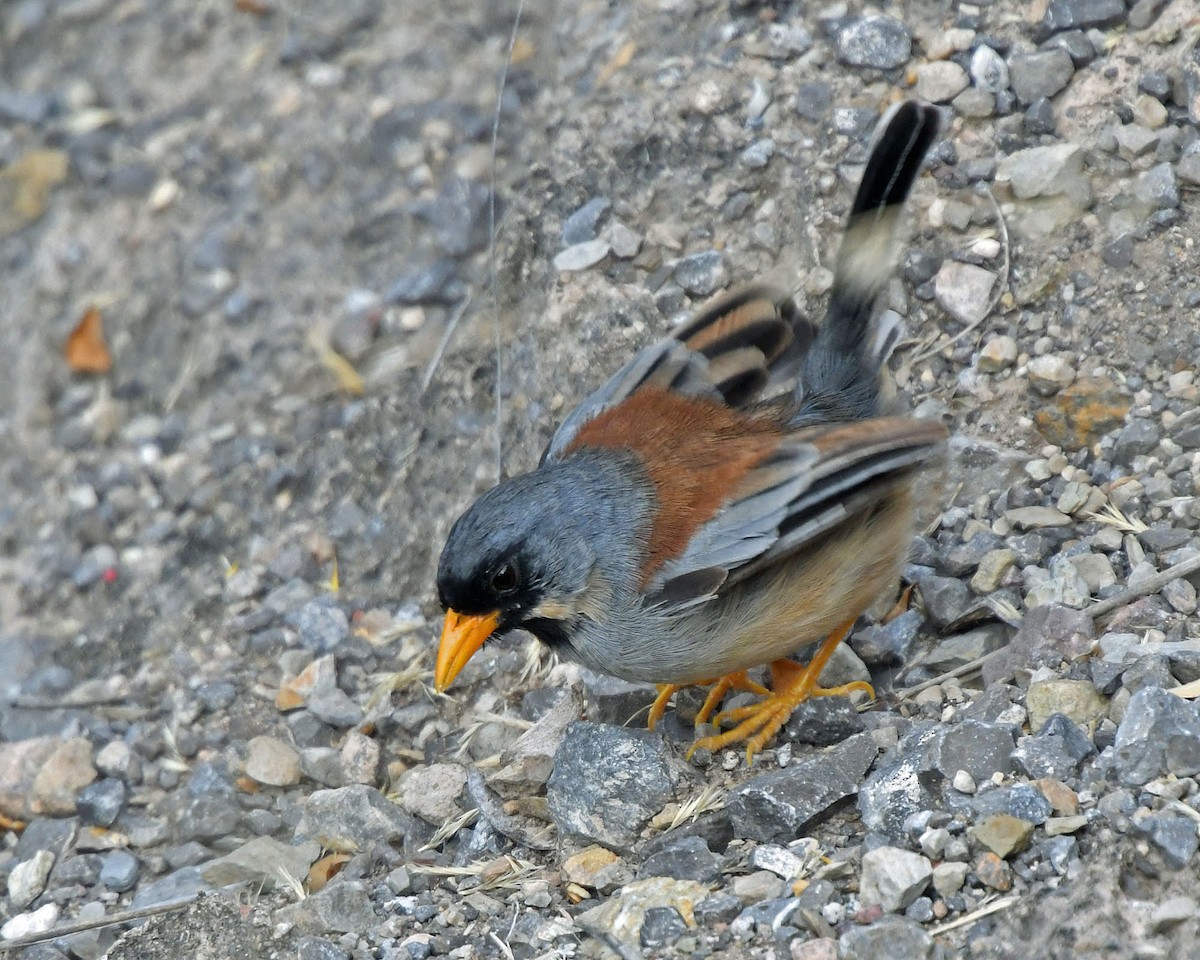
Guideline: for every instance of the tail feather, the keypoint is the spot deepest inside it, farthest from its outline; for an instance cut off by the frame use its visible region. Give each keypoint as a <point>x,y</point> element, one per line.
<point>841,373</point>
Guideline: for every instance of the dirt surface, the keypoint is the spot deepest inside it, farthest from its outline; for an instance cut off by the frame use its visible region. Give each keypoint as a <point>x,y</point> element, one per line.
<point>248,189</point>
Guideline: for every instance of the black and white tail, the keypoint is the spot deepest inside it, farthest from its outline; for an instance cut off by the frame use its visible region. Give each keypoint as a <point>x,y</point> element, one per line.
<point>840,378</point>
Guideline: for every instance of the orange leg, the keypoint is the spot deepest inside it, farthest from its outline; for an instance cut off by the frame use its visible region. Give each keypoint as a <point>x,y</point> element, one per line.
<point>791,685</point>
<point>720,686</point>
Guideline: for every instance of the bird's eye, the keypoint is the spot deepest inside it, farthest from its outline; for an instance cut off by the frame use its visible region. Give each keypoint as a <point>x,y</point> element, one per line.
<point>504,578</point>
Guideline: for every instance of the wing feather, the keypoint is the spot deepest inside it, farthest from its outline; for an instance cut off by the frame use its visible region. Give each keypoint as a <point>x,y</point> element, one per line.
<point>817,479</point>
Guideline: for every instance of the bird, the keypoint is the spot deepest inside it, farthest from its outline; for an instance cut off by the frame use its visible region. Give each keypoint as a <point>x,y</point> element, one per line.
<point>734,493</point>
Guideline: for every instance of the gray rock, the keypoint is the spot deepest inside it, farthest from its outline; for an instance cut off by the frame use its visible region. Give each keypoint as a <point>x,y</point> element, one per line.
<point>119,871</point>
<point>321,625</point>
<point>1034,518</point>
<point>1044,171</point>
<point>261,860</point>
<point>757,155</point>
<point>1134,140</point>
<point>945,599</point>
<point>581,256</point>
<point>661,927</point>
<point>352,818</point>
<point>1185,431</point>
<point>613,700</point>
<point>901,787</point>
<point>854,122</point>
<point>584,223</point>
<point>889,938</point>
<point>962,558</point>
<point>431,791</point>
<point>528,763</point>
<point>318,948</point>
<point>701,274</point>
<point>962,648</point>
<point>1050,374</point>
<point>687,858</point>
<point>964,290</point>
<point>84,869</point>
<point>19,106</point>
<point>989,72</point>
<point>117,759</point>
<point>972,745</point>
<point>880,42</point>
<point>1039,118</point>
<point>342,907</point>
<point>331,705</point>
<point>997,354</point>
<point>719,908</point>
<point>823,721</point>
<point>893,878</point>
<point>458,215</point>
<point>1153,719</point>
<point>608,782</point>
<point>1021,801</point>
<point>271,761</point>
<point>1040,74</point>
<point>1175,837</point>
<point>32,922</point>
<point>1048,635</point>
<point>1062,584</point>
<point>209,817</point>
<point>100,803</point>
<point>778,860</point>
<point>1157,188</point>
<point>775,806</point>
<point>948,877</point>
<point>1188,168</point>
<point>1139,436</point>
<point>975,103</point>
<point>941,81</point>
<point>814,101</point>
<point>1081,14</point>
<point>1076,43</point>
<point>183,883</point>
<point>1118,252</point>
<point>426,283</point>
<point>28,879</point>
<point>625,242</point>
<point>993,568</point>
<point>1171,912</point>
<point>1162,537</point>
<point>884,644</point>
<point>1057,750</point>
<point>1144,12</point>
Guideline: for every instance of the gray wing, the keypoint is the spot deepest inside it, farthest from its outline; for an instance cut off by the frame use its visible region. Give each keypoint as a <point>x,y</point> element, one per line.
<point>818,478</point>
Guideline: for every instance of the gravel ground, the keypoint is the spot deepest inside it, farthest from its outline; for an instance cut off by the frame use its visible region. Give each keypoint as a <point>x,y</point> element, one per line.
<point>216,609</point>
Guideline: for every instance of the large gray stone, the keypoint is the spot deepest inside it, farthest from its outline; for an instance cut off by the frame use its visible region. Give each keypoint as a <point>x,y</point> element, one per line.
<point>777,805</point>
<point>608,782</point>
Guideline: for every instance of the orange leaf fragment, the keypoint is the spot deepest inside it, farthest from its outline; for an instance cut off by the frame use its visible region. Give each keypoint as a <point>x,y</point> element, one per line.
<point>85,349</point>
<point>901,606</point>
<point>522,51</point>
<point>619,61</point>
<point>325,869</point>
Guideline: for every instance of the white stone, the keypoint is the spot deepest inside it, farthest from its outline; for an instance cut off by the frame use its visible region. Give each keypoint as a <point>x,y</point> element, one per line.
<point>964,290</point>
<point>580,256</point>
<point>893,877</point>
<point>28,879</point>
<point>28,924</point>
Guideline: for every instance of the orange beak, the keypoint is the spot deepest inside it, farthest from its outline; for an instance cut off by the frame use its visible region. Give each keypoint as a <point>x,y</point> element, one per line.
<point>462,636</point>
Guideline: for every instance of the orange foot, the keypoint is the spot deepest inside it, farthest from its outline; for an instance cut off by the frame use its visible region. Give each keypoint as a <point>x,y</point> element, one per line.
<point>792,684</point>
<point>720,686</point>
